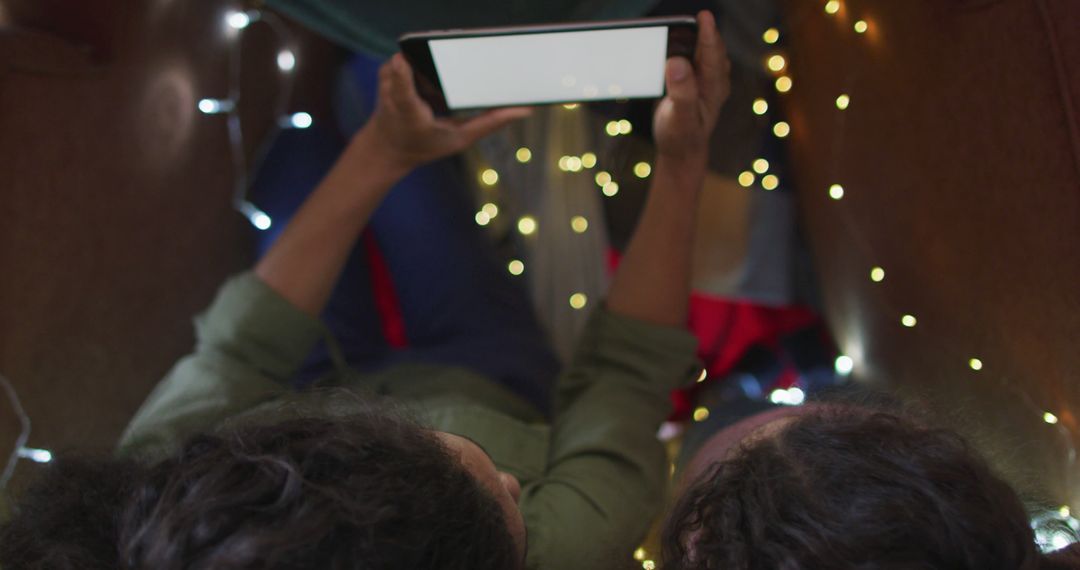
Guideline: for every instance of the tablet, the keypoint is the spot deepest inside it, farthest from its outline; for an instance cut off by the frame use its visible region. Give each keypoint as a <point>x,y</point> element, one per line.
<point>479,68</point>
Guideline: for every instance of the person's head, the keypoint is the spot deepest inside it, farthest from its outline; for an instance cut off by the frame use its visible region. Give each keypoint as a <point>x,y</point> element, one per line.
<point>845,487</point>
<point>373,491</point>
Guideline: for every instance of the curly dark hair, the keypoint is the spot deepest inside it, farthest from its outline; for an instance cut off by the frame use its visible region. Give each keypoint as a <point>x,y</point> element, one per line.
<point>373,491</point>
<point>850,488</point>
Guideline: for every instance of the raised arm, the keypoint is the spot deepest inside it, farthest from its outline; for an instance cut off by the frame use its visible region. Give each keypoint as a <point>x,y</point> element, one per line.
<point>305,262</point>
<point>607,471</point>
<point>653,281</point>
<point>262,325</point>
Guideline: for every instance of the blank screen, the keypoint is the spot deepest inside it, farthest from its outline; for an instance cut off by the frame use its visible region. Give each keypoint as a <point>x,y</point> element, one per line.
<point>551,67</point>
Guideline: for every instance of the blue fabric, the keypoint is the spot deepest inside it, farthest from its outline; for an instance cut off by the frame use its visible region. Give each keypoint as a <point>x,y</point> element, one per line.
<point>459,304</point>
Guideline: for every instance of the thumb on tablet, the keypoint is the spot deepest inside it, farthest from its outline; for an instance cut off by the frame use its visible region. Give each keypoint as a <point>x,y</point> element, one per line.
<point>681,84</point>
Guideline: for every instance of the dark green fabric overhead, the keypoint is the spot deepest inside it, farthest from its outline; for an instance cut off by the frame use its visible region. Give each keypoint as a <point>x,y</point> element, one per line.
<point>373,27</point>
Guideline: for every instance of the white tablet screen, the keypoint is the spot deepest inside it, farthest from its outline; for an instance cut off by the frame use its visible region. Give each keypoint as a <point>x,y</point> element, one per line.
<point>551,67</point>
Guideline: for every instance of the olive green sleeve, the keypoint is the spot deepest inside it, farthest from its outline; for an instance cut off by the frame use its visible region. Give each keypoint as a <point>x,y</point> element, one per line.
<point>249,343</point>
<point>606,471</point>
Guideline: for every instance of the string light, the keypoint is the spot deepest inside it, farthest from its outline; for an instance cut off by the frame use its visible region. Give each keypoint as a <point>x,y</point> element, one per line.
<point>648,565</point>
<point>790,397</point>
<point>625,127</point>
<point>570,106</point>
<point>639,554</point>
<point>258,218</point>
<point>909,321</point>
<point>1064,511</point>
<point>612,128</point>
<point>588,160</point>
<point>515,267</point>
<point>832,6</point>
<point>489,176</point>
<point>570,164</point>
<point>781,129</point>
<point>836,191</point>
<point>771,36</point>
<point>761,106</point>
<point>523,155</point>
<point>610,189</point>
<point>975,364</point>
<point>642,170</point>
<point>35,455</point>
<point>602,178</point>
<point>761,166</point>
<point>844,365</point>
<point>746,179</point>
<point>299,120</point>
<point>701,377</point>
<point>579,224</point>
<point>701,414</point>
<point>240,20</point>
<point>578,301</point>
<point>776,63</point>
<point>843,101</point>
<point>490,209</point>
<point>1050,419</point>
<point>861,26</point>
<point>783,84</point>
<point>286,60</point>
<point>770,182</point>
<point>216,106</point>
<point>482,218</point>
<point>527,225</point>
<point>877,274</point>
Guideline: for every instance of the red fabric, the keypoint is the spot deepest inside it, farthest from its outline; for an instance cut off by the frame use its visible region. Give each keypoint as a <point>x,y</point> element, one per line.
<point>386,301</point>
<point>726,329</point>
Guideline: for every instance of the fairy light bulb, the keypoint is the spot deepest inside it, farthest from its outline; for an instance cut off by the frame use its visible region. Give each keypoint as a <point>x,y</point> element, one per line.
<point>625,127</point>
<point>527,225</point>
<point>843,101</point>
<point>612,128</point>
<point>489,176</point>
<point>761,166</point>
<point>258,218</point>
<point>776,63</point>
<point>1051,419</point>
<point>286,60</point>
<point>770,182</point>
<point>783,84</point>
<point>642,170</point>
<point>639,554</point>
<point>844,365</point>
<point>482,218</point>
<point>579,224</point>
<point>760,106</point>
<point>701,377</point>
<point>771,36</point>
<point>238,20</point>
<point>216,106</point>
<point>602,178</point>
<point>975,364</point>
<point>909,321</point>
<point>832,6</point>
<point>746,179</point>
<point>299,120</point>
<point>781,129</point>
<point>490,209</point>
<point>35,455</point>
<point>861,26</point>
<point>578,301</point>
<point>701,414</point>
<point>877,274</point>
<point>523,155</point>
<point>588,160</point>
<point>610,189</point>
<point>836,191</point>
<point>515,267</point>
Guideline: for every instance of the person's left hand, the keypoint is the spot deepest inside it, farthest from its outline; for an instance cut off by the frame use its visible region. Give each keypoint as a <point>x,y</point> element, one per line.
<point>407,129</point>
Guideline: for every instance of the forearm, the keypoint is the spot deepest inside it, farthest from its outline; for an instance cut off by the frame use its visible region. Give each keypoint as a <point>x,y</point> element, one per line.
<point>304,263</point>
<point>653,280</point>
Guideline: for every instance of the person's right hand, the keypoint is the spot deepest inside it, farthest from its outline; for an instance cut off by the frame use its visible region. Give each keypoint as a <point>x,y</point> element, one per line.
<point>406,129</point>
<point>685,118</point>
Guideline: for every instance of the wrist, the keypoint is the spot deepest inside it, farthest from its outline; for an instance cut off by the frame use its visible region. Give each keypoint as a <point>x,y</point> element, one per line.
<point>378,159</point>
<point>686,172</point>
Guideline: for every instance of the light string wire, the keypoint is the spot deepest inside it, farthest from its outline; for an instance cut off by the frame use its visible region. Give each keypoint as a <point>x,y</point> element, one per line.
<point>975,364</point>
<point>24,433</point>
<point>240,22</point>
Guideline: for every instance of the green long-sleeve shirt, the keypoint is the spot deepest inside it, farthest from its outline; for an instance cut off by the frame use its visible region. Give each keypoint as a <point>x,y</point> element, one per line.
<point>592,480</point>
